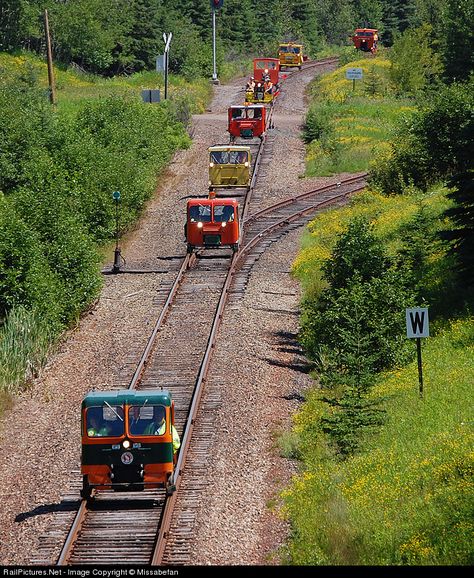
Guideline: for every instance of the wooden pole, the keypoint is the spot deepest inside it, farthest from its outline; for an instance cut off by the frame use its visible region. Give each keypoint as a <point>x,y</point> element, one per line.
<point>52,89</point>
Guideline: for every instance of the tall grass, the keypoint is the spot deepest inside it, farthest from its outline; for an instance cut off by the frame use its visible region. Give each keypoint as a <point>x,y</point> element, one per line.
<point>361,117</point>
<point>74,87</point>
<point>25,340</point>
<point>407,498</point>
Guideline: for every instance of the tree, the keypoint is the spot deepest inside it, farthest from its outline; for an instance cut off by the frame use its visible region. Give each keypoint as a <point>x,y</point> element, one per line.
<point>10,17</point>
<point>365,297</point>
<point>369,14</point>
<point>415,64</point>
<point>462,214</point>
<point>458,42</point>
<point>357,253</point>
<point>146,33</point>
<point>336,20</point>
<point>398,15</point>
<point>91,32</point>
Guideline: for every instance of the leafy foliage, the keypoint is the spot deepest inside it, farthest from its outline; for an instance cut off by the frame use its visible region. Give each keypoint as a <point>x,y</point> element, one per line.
<point>355,329</point>
<point>386,478</point>
<point>415,65</point>
<point>432,144</point>
<point>58,173</point>
<point>458,42</point>
<point>317,125</point>
<point>462,214</point>
<point>117,36</point>
<point>398,15</point>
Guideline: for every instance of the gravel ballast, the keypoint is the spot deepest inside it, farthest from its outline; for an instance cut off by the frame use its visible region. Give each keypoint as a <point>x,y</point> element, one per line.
<point>252,368</point>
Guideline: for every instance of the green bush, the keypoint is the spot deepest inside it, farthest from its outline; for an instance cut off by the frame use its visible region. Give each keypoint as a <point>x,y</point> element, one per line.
<point>57,174</point>
<point>415,64</point>
<point>432,144</point>
<point>317,124</point>
<point>25,275</point>
<point>366,297</point>
<point>27,125</point>
<point>142,137</point>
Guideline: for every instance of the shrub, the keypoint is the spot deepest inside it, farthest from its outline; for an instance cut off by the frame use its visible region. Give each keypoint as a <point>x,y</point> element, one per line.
<point>317,124</point>
<point>414,63</point>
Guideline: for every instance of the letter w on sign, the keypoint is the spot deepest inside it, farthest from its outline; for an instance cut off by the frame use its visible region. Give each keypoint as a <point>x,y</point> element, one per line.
<point>417,322</point>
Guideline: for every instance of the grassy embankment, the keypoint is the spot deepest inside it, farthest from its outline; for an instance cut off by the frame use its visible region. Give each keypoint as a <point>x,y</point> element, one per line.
<point>406,497</point>
<point>351,124</point>
<point>74,87</point>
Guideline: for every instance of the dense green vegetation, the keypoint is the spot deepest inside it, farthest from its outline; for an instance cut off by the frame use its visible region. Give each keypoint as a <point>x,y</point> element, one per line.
<point>386,474</point>
<point>115,36</point>
<point>347,122</point>
<point>405,498</point>
<point>58,169</point>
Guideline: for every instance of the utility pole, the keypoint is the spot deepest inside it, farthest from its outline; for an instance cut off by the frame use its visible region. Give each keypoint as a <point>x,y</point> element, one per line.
<point>167,39</point>
<point>52,89</point>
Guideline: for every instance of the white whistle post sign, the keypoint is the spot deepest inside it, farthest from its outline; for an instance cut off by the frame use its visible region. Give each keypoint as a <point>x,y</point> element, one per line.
<point>418,327</point>
<point>417,322</point>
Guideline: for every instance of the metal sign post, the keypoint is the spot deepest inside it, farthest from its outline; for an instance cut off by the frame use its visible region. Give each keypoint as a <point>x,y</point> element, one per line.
<point>116,267</point>
<point>215,5</point>
<point>167,39</point>
<point>354,74</point>
<point>418,327</point>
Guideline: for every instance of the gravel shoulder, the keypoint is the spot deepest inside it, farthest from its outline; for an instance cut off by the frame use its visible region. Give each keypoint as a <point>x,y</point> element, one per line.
<point>40,437</point>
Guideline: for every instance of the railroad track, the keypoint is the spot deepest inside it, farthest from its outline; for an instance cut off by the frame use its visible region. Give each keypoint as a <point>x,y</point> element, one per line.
<point>178,361</point>
<point>149,527</point>
<point>311,64</point>
<point>260,230</point>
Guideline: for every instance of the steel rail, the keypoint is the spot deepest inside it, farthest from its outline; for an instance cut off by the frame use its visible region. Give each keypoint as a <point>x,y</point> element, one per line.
<point>320,62</point>
<point>319,205</point>
<point>188,260</point>
<point>169,506</point>
<point>186,264</point>
<point>190,420</point>
<point>167,516</point>
<point>135,380</point>
<point>290,200</point>
<point>73,533</point>
<point>81,513</point>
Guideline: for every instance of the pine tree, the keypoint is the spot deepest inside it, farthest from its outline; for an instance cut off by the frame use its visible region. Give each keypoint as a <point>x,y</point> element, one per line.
<point>398,16</point>
<point>146,40</point>
<point>463,216</point>
<point>459,39</point>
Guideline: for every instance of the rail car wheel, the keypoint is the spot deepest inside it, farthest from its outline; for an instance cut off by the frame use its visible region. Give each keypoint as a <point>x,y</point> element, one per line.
<point>235,247</point>
<point>189,249</point>
<point>170,487</point>
<point>86,491</point>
